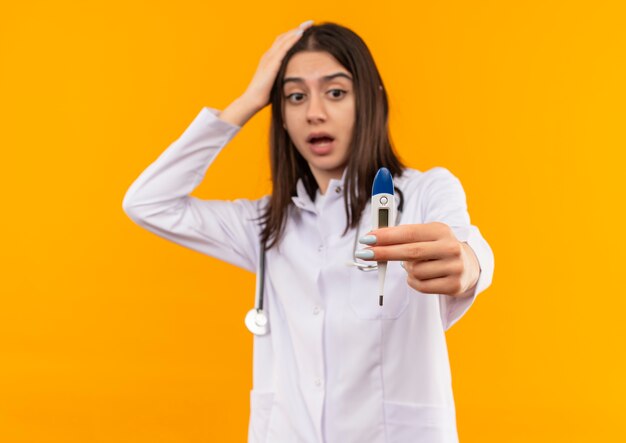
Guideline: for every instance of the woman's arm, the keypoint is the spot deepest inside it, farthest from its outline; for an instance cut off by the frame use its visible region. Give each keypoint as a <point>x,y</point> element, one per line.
<point>159,201</point>
<point>240,111</point>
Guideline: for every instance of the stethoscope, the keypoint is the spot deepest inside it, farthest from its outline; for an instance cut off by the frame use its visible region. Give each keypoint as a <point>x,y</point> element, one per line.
<point>256,319</point>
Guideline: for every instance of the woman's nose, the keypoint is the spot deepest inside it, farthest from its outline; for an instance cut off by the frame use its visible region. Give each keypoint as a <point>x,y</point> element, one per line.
<point>315,111</point>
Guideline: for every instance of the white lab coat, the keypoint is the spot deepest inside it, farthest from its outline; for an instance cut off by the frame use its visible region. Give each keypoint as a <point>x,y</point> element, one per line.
<point>336,367</point>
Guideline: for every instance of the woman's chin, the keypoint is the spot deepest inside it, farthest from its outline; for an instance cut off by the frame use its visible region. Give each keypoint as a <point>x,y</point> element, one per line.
<point>329,167</point>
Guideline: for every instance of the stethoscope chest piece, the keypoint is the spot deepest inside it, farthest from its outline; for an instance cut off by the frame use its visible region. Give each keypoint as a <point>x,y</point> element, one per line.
<point>256,321</point>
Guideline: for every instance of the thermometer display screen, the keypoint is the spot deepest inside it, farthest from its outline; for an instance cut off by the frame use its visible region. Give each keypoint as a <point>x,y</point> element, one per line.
<point>383,218</point>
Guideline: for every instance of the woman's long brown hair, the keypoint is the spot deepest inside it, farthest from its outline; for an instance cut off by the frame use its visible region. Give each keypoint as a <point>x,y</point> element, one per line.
<point>370,147</point>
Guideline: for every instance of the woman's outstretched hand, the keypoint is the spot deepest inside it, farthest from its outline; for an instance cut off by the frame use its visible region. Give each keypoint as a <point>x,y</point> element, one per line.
<point>257,94</point>
<point>435,261</point>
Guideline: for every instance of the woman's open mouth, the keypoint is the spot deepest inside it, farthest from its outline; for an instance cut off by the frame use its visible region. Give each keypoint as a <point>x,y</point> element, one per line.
<point>321,144</point>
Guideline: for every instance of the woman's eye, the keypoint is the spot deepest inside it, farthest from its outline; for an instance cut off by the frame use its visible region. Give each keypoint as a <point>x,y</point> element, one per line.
<point>295,97</point>
<point>337,93</point>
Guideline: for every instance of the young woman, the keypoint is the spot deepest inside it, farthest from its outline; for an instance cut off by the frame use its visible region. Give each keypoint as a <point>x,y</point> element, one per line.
<point>335,366</point>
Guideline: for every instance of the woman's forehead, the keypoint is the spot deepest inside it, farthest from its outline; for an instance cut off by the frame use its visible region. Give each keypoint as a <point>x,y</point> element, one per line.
<point>312,66</point>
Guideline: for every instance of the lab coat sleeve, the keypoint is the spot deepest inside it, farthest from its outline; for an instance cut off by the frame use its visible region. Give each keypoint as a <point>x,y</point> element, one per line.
<point>445,201</point>
<point>159,201</point>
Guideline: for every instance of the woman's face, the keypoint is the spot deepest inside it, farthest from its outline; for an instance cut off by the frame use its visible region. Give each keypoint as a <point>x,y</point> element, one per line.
<point>319,112</point>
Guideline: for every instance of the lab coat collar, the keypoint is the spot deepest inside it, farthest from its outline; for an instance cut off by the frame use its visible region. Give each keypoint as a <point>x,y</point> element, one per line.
<point>302,199</point>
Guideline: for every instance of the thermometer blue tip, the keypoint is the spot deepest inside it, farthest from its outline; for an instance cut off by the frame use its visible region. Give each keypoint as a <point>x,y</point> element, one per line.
<point>383,182</point>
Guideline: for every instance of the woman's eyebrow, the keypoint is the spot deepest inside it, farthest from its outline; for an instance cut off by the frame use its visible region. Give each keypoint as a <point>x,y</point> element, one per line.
<point>323,79</point>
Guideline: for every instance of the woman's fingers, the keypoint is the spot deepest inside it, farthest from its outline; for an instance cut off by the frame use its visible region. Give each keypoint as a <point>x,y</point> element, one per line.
<point>435,261</point>
<point>442,285</point>
<point>410,233</point>
<point>305,24</point>
<point>424,250</point>
<point>285,40</point>
<point>424,270</point>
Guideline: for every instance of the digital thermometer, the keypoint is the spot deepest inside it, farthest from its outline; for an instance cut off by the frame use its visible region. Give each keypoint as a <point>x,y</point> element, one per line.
<point>383,216</point>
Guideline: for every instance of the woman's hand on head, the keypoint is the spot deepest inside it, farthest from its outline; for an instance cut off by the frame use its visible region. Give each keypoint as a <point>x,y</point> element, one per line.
<point>435,261</point>
<point>258,91</point>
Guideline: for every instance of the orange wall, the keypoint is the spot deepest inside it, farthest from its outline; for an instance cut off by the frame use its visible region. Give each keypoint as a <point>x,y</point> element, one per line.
<point>111,334</point>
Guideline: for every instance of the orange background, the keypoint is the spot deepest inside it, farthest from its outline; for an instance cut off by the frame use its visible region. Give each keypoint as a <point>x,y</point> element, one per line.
<point>111,334</point>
